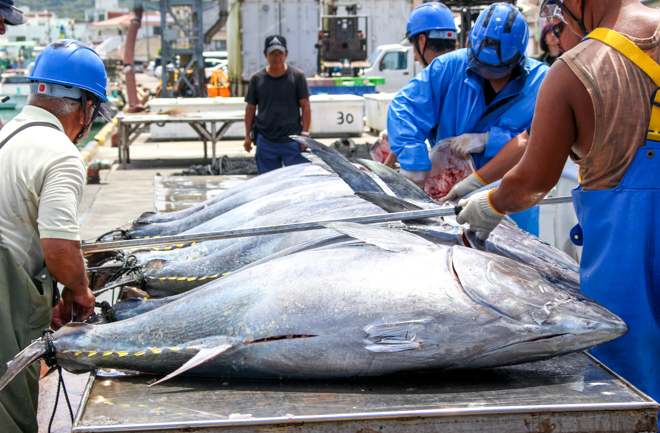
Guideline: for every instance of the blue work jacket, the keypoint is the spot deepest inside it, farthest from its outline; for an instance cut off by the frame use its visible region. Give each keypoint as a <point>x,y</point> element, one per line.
<point>449,94</point>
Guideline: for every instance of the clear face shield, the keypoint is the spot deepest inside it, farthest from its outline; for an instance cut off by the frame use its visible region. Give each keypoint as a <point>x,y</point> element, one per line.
<point>556,9</point>
<point>552,9</point>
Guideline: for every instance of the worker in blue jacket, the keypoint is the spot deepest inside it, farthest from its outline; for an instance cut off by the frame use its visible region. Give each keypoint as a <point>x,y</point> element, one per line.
<point>482,97</point>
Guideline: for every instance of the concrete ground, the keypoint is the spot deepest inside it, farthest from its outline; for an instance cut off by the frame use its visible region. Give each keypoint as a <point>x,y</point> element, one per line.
<point>121,197</point>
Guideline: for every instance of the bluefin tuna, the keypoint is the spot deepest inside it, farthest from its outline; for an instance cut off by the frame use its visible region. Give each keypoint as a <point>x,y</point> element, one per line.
<point>397,304</point>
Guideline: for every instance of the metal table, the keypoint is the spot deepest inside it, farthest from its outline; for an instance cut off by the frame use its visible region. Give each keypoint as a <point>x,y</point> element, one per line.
<point>574,393</point>
<point>130,126</point>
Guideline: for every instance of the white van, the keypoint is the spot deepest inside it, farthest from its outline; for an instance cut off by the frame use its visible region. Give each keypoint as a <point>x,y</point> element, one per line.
<point>395,63</point>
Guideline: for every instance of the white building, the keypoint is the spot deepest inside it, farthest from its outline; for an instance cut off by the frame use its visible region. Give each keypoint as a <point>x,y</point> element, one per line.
<point>103,10</point>
<point>42,28</point>
<point>109,36</point>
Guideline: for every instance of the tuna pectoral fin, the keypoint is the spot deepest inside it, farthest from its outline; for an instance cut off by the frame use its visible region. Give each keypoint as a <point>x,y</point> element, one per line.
<point>395,337</point>
<point>204,354</point>
<point>388,239</point>
<point>316,145</point>
<point>355,178</point>
<point>27,356</point>
<point>398,183</point>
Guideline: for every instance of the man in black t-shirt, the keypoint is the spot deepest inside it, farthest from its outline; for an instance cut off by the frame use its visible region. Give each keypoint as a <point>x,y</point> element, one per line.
<point>280,91</point>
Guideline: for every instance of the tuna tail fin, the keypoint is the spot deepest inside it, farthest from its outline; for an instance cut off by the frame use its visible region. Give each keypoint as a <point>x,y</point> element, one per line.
<point>388,239</point>
<point>400,185</point>
<point>144,218</point>
<point>357,179</point>
<point>36,350</point>
<point>317,145</point>
<point>205,354</point>
<point>126,281</point>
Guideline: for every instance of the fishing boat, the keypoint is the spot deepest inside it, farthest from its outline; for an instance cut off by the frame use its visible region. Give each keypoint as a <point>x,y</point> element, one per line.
<point>14,83</point>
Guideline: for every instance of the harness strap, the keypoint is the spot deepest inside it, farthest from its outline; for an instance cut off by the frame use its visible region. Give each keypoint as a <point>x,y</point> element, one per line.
<point>642,60</point>
<point>27,125</point>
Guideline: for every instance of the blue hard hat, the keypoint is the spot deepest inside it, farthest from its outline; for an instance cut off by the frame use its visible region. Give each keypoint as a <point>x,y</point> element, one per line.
<point>498,41</point>
<point>72,63</point>
<point>434,17</point>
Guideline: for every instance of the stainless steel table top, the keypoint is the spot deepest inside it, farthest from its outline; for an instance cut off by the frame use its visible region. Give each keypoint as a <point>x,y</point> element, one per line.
<point>574,383</point>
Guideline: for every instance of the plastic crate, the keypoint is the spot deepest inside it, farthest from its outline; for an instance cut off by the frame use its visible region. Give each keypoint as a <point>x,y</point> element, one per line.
<point>342,90</point>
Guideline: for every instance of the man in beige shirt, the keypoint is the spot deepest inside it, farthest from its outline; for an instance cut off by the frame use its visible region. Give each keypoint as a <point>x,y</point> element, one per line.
<point>41,181</point>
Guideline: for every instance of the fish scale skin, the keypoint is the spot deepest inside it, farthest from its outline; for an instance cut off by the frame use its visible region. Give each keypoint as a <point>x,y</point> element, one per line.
<point>242,252</point>
<point>338,294</point>
<point>304,211</point>
<point>267,205</point>
<point>255,198</point>
<point>294,173</point>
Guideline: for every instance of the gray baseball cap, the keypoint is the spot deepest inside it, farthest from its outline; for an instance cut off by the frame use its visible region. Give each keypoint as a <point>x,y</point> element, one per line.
<point>12,15</point>
<point>276,42</point>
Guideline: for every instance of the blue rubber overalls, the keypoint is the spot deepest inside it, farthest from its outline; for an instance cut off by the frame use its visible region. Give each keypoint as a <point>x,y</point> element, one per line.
<point>621,258</point>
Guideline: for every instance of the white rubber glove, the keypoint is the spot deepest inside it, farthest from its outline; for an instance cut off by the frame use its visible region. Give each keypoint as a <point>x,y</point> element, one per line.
<point>418,177</point>
<point>478,212</point>
<point>464,187</point>
<point>463,145</point>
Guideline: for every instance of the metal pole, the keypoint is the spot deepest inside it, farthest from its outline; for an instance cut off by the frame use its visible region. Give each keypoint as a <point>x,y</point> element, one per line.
<point>164,51</point>
<point>147,29</point>
<point>285,228</point>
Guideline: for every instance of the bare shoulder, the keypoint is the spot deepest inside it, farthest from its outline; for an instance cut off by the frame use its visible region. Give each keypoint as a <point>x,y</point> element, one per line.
<point>561,86</point>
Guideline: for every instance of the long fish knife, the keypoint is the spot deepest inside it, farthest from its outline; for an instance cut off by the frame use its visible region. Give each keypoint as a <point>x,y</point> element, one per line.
<point>285,228</point>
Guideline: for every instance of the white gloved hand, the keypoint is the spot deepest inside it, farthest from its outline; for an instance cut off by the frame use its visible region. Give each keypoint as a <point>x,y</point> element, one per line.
<point>478,212</point>
<point>464,187</point>
<point>418,177</point>
<point>463,145</point>
<point>383,135</point>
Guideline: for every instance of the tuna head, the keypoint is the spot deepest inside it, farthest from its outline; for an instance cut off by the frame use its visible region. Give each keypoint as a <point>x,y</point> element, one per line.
<point>541,320</point>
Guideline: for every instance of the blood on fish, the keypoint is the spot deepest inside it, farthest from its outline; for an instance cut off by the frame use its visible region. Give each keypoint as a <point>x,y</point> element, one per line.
<point>446,171</point>
<point>380,150</point>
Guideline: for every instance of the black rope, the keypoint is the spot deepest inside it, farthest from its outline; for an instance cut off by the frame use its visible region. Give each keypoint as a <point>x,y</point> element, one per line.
<point>107,311</point>
<point>123,232</point>
<point>49,356</point>
<point>51,361</point>
<point>131,266</point>
<point>118,257</point>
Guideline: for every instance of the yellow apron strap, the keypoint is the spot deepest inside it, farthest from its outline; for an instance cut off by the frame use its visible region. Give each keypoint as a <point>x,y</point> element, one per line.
<point>635,54</point>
